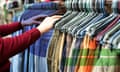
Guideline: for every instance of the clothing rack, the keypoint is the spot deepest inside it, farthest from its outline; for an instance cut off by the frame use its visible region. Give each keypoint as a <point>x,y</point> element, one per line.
<point>83,42</point>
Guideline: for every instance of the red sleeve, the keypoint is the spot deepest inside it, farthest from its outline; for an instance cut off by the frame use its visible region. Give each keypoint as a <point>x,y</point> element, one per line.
<point>9,28</point>
<point>12,46</point>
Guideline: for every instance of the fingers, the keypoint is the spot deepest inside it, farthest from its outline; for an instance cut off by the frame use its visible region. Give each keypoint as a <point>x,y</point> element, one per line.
<point>57,16</point>
<point>56,19</point>
<point>51,19</point>
<point>43,16</point>
<point>39,16</point>
<point>47,19</point>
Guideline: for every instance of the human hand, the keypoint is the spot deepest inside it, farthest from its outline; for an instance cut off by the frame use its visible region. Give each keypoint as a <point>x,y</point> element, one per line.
<point>47,23</point>
<point>33,20</point>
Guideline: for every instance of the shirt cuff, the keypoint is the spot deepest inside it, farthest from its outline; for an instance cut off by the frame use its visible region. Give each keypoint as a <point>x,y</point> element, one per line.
<point>19,25</point>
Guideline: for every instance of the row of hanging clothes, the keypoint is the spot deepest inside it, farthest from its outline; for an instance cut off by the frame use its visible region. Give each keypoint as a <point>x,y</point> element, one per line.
<point>34,59</point>
<point>86,38</point>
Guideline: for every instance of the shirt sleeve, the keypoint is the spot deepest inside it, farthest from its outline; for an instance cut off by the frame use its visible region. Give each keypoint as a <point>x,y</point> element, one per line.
<point>11,46</point>
<point>9,28</point>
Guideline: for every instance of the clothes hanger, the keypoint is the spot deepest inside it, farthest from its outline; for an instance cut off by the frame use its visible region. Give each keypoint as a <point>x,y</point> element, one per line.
<point>116,41</point>
<point>85,22</point>
<point>110,40</point>
<point>78,16</point>
<point>69,11</point>
<point>80,20</point>
<point>111,33</point>
<point>114,6</point>
<point>75,9</point>
<point>99,17</point>
<point>115,10</point>
<point>107,36</point>
<point>102,6</point>
<point>115,28</point>
<point>101,9</point>
<point>113,40</point>
<point>82,30</point>
<point>67,18</point>
<point>68,7</point>
<point>91,30</point>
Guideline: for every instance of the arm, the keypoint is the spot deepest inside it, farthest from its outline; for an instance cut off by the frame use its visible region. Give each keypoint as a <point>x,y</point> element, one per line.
<point>9,28</point>
<point>12,46</point>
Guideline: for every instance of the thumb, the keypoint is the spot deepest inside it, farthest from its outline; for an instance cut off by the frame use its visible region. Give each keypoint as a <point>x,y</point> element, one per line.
<point>54,20</point>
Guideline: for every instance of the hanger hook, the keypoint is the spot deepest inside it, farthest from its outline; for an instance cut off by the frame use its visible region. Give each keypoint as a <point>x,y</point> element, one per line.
<point>68,4</point>
<point>72,6</point>
<point>75,5</point>
<point>81,5</point>
<point>103,6</point>
<point>96,6</point>
<point>91,5</point>
<point>86,5</point>
<point>119,6</point>
<point>114,6</point>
